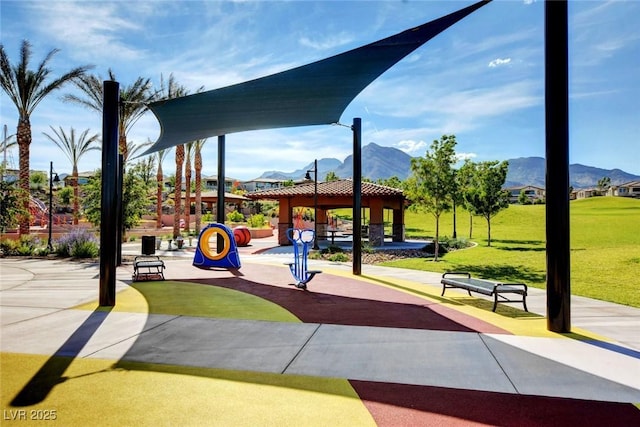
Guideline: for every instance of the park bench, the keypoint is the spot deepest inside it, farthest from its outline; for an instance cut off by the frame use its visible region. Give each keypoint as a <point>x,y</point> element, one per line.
<point>147,267</point>
<point>463,280</point>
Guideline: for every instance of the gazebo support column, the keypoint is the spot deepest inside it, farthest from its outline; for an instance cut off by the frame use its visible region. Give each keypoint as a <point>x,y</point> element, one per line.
<point>376,222</point>
<point>284,221</point>
<point>323,223</point>
<point>398,225</point>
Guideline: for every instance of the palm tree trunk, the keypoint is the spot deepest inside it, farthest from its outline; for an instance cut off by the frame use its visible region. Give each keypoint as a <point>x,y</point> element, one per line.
<point>198,167</point>
<point>24,142</point>
<point>187,196</point>
<point>122,144</point>
<point>76,195</point>
<point>178,190</point>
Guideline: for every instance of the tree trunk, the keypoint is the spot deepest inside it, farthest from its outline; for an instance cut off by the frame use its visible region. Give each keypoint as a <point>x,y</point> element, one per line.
<point>470,225</point>
<point>187,196</point>
<point>436,243</point>
<point>178,190</point>
<point>455,233</point>
<point>159,179</point>
<point>198,167</point>
<point>76,195</point>
<point>24,142</point>
<point>488,231</point>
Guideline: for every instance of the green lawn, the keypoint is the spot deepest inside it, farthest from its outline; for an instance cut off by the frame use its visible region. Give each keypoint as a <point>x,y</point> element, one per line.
<point>605,247</point>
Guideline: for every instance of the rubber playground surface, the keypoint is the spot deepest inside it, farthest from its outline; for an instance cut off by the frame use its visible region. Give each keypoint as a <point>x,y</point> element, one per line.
<point>245,347</point>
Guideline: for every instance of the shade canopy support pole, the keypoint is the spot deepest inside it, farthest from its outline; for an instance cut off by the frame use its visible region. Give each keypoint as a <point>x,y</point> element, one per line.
<point>357,196</point>
<point>109,195</point>
<point>557,166</point>
<point>221,162</point>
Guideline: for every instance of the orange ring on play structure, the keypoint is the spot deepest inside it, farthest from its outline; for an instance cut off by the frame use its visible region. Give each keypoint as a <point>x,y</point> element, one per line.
<point>204,242</point>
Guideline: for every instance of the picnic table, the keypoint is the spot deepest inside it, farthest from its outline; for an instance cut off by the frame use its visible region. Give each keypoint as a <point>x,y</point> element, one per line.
<point>333,232</point>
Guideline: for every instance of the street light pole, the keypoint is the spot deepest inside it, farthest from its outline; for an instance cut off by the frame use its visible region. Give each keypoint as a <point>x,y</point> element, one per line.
<point>315,202</point>
<point>51,181</point>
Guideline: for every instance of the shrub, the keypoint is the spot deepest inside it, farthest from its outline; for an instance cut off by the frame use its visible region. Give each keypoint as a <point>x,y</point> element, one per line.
<point>235,216</point>
<point>79,243</point>
<point>339,257</point>
<point>86,249</point>
<point>430,249</point>
<point>453,244</point>
<point>25,246</point>
<point>332,249</point>
<point>257,221</point>
<point>9,247</point>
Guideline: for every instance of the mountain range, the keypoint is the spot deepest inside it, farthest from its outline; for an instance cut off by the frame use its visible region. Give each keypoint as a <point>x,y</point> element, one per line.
<point>384,162</point>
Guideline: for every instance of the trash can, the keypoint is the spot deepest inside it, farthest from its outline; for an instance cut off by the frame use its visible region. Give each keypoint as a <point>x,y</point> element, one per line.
<point>148,245</point>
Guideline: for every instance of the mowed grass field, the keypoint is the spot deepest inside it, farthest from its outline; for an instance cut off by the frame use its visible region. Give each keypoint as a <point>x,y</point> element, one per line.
<point>605,247</point>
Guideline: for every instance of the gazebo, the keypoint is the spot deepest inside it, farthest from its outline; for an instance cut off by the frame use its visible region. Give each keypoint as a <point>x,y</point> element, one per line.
<point>334,195</point>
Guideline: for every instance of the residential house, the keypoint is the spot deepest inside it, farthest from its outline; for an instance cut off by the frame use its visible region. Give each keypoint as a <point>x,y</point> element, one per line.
<point>210,183</point>
<point>83,178</point>
<point>628,189</point>
<point>260,184</point>
<point>532,193</point>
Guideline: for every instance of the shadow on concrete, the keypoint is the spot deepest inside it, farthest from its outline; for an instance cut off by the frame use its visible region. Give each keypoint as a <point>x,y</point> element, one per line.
<point>52,372</point>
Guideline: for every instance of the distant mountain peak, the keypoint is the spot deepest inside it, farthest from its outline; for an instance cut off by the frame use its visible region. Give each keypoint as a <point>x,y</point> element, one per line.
<point>381,162</point>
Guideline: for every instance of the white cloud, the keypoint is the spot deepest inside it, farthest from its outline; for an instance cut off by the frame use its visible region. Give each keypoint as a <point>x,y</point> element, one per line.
<point>499,61</point>
<point>465,156</point>
<point>88,29</point>
<point>411,146</point>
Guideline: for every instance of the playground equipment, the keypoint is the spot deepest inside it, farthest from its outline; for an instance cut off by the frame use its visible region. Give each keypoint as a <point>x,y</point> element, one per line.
<point>242,235</point>
<point>226,255</point>
<point>301,240</point>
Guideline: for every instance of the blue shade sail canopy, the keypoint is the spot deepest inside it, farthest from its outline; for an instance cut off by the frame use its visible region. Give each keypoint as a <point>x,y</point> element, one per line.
<point>313,94</point>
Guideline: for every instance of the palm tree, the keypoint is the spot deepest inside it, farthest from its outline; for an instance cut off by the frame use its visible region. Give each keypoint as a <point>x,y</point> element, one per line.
<point>173,90</point>
<point>26,88</point>
<point>74,149</point>
<point>161,155</point>
<point>178,190</point>
<point>197,163</point>
<point>133,102</point>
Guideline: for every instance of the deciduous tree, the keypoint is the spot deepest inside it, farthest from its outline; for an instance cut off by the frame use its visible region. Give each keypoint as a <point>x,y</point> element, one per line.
<point>432,181</point>
<point>486,196</point>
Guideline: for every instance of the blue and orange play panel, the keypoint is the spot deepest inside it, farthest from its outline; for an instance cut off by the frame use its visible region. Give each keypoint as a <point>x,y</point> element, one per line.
<point>224,255</point>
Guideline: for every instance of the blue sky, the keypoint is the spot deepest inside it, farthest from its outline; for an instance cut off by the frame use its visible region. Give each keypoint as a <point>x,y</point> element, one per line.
<point>482,79</point>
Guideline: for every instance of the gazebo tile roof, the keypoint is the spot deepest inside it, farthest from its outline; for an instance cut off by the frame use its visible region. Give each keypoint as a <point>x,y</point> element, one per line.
<point>342,188</point>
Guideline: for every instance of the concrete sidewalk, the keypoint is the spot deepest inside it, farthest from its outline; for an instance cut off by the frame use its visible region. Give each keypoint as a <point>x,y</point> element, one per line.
<point>499,353</point>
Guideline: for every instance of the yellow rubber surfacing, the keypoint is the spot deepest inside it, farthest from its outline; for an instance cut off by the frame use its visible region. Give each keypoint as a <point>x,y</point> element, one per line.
<point>197,300</point>
<point>103,393</point>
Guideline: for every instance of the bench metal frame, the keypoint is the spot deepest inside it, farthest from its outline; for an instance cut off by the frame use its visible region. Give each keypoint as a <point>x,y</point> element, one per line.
<point>147,266</point>
<point>463,280</point>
